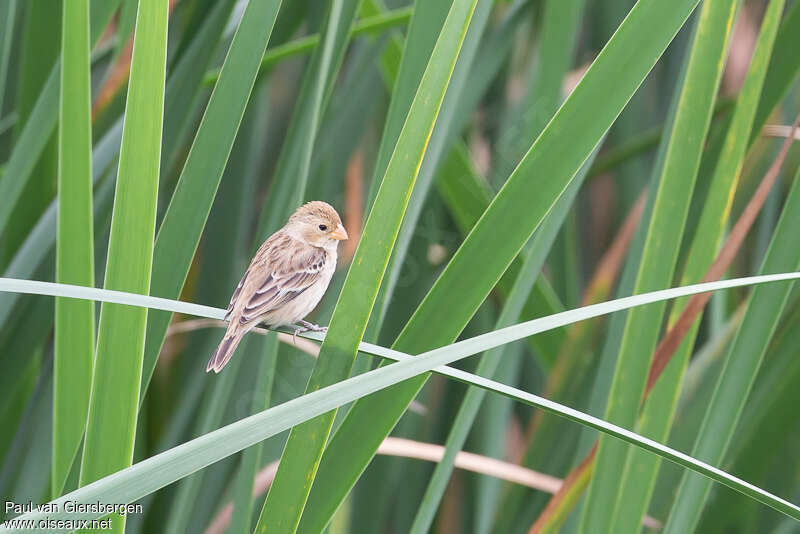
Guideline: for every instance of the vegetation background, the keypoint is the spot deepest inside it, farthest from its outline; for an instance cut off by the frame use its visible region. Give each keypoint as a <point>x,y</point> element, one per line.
<point>494,161</point>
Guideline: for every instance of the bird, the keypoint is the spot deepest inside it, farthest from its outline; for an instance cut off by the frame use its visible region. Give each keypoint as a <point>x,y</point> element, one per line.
<point>286,278</point>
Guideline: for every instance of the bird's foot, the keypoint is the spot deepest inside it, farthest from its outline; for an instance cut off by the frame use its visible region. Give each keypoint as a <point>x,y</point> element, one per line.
<point>299,330</point>
<point>307,327</point>
<point>313,327</point>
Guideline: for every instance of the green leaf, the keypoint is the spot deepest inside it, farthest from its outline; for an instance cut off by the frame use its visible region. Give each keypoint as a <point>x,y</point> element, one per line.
<point>41,240</point>
<point>534,259</point>
<point>7,14</point>
<point>640,471</point>
<point>662,244</point>
<point>127,22</point>
<point>228,235</point>
<point>467,196</point>
<point>289,491</point>
<point>764,308</point>
<point>251,458</point>
<point>114,402</point>
<point>682,160</point>
<point>185,77</point>
<point>40,125</point>
<point>463,87</point>
<point>20,373</point>
<point>132,483</point>
<point>30,323</point>
<point>365,26</point>
<point>31,450</point>
<point>515,213</point>
<point>39,50</point>
<point>188,209</point>
<point>30,144</point>
<point>419,45</point>
<point>423,29</point>
<point>74,319</point>
<point>211,414</point>
<point>760,437</point>
<point>559,28</point>
<point>292,171</point>
<point>784,66</point>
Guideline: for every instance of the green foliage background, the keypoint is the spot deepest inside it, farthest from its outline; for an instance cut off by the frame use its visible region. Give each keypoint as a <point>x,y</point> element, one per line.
<point>489,159</point>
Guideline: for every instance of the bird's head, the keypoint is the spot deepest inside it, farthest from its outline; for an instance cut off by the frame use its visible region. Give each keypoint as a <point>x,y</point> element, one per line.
<point>317,224</point>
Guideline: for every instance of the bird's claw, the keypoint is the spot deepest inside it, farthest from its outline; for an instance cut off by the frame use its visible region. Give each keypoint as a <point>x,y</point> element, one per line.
<point>298,331</point>
<point>307,327</point>
<point>313,327</point>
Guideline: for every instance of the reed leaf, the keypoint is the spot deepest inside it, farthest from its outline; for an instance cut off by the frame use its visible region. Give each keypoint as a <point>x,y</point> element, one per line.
<point>114,401</point>
<point>134,482</point>
<point>670,210</point>
<point>74,319</point>
<point>639,476</point>
<point>515,213</point>
<point>287,496</point>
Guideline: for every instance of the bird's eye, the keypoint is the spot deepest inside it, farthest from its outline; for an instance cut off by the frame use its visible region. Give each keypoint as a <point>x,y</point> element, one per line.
<point>323,227</point>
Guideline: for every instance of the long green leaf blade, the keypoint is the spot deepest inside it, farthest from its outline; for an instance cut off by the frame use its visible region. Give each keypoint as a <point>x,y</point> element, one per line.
<point>769,411</point>
<point>404,77</point>
<point>467,196</point>
<point>114,401</point>
<point>784,67</point>
<point>419,44</point>
<point>39,126</point>
<point>74,319</point>
<point>640,472</point>
<point>251,458</point>
<point>7,14</point>
<point>149,475</point>
<point>288,493</point>
<point>369,24</point>
<point>662,244</point>
<point>515,213</point>
<point>185,80</point>
<point>487,366</point>
<point>42,238</point>
<point>560,24</point>
<point>294,163</point>
<point>228,235</point>
<point>519,331</point>
<point>764,308</point>
<point>39,51</point>
<point>188,209</point>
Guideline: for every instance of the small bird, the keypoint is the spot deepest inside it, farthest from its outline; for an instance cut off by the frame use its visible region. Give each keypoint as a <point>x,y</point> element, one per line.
<point>286,279</point>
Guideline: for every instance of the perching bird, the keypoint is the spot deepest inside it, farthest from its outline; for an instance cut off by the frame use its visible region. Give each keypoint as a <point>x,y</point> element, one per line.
<point>286,279</point>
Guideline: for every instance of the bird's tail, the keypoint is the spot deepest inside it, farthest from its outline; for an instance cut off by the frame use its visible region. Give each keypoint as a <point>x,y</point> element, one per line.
<point>225,350</point>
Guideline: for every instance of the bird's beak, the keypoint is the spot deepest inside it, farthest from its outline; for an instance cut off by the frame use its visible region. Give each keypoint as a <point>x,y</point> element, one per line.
<point>340,234</point>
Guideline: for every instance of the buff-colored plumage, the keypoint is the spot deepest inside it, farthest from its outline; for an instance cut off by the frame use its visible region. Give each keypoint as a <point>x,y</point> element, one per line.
<point>287,277</point>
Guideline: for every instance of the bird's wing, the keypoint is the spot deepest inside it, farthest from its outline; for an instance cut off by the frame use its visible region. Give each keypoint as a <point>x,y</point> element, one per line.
<point>235,295</point>
<point>280,271</point>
